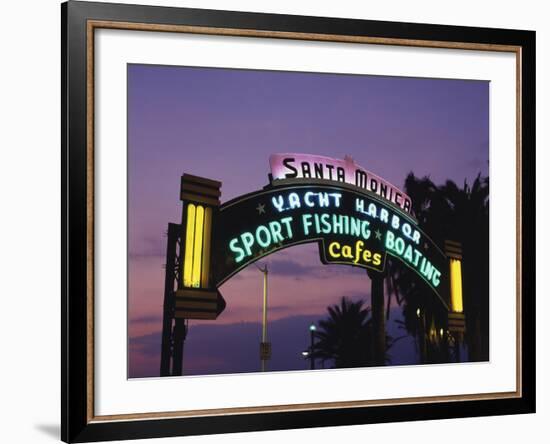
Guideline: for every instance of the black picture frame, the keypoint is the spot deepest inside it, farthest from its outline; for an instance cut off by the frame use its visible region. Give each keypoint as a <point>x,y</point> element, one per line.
<point>77,425</point>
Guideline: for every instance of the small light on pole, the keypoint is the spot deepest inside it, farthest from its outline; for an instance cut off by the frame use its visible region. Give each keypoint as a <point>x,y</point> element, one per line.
<point>312,329</point>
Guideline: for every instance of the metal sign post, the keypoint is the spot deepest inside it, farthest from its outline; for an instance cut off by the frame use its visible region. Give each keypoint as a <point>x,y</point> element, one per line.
<point>265,346</point>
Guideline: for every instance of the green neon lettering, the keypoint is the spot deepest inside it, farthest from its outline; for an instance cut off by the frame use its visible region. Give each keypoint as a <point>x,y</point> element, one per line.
<point>263,231</point>
<point>355,226</point>
<point>399,246</point>
<point>248,241</point>
<point>365,232</point>
<point>417,255</point>
<point>325,222</point>
<point>286,221</point>
<point>436,278</point>
<point>371,210</point>
<point>317,227</point>
<point>337,223</point>
<point>412,256</point>
<point>395,222</point>
<point>275,228</point>
<point>408,253</point>
<point>390,240</point>
<point>323,200</point>
<point>428,270</point>
<point>278,203</point>
<point>306,222</point>
<point>336,197</point>
<point>236,249</point>
<point>346,224</point>
<point>293,201</point>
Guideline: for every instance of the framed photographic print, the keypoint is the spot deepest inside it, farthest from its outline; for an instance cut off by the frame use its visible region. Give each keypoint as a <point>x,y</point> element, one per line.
<point>276,221</point>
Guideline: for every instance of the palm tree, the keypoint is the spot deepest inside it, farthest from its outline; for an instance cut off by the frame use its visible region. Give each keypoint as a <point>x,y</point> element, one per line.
<point>460,214</point>
<point>344,336</point>
<point>469,224</point>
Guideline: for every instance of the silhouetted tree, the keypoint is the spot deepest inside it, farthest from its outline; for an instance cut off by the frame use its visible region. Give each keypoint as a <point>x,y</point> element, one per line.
<point>460,214</point>
<point>343,337</point>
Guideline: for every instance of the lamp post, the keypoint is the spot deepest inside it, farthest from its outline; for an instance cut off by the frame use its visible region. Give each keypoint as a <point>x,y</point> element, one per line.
<point>312,329</point>
<point>423,344</point>
<point>265,347</point>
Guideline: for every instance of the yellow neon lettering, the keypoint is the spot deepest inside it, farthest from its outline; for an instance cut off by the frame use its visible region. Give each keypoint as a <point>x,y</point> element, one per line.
<point>331,248</point>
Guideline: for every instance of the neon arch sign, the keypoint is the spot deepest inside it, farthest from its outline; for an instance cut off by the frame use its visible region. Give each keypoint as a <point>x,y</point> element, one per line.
<point>355,217</point>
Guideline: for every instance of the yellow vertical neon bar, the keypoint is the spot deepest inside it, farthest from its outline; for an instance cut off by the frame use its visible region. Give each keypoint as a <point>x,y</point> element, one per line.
<point>206,247</point>
<point>197,248</point>
<point>189,244</point>
<point>456,286</point>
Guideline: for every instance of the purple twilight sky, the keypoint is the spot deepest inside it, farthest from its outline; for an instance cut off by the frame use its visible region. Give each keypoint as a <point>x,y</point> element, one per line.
<point>223,124</point>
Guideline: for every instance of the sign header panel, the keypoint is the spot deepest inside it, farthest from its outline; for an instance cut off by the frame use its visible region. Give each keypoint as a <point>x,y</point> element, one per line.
<point>287,167</point>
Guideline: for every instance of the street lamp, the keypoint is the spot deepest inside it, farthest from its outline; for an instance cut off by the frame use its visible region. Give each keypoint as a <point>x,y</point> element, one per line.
<point>265,346</point>
<point>312,329</point>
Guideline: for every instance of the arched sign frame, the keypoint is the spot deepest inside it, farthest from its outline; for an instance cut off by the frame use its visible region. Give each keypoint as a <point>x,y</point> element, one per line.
<point>238,205</point>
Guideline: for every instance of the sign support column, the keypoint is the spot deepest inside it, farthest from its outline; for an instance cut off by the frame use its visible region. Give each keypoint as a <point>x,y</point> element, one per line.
<point>378,318</point>
<point>190,291</point>
<point>170,282</point>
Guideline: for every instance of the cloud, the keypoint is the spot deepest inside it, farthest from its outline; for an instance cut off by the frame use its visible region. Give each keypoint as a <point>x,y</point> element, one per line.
<point>148,247</point>
<point>148,344</point>
<point>284,267</point>
<point>276,308</point>
<point>146,319</point>
<point>292,268</point>
<point>356,294</point>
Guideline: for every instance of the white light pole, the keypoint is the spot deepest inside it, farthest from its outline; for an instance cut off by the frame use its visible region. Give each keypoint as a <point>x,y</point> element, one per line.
<point>312,329</point>
<point>265,346</point>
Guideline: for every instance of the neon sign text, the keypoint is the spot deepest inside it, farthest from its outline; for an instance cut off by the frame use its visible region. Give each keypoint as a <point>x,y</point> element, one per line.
<point>335,224</point>
<point>350,227</point>
<point>357,253</point>
<point>393,220</point>
<point>299,167</point>
<point>263,236</point>
<point>309,199</point>
<point>412,257</point>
